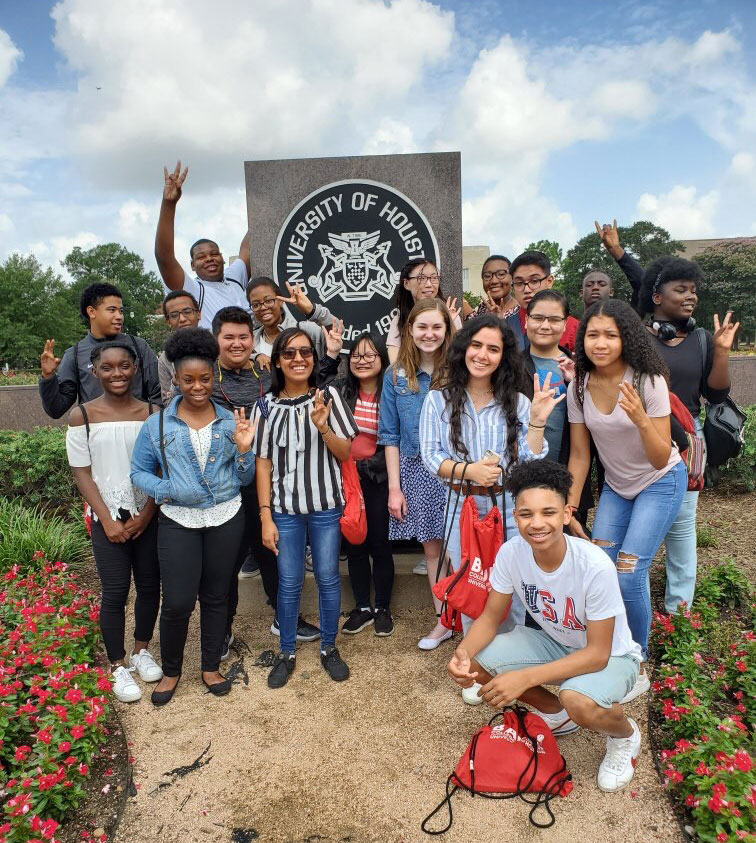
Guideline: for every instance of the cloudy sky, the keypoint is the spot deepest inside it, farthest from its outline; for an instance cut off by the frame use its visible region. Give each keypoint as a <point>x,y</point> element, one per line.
<point>564,111</point>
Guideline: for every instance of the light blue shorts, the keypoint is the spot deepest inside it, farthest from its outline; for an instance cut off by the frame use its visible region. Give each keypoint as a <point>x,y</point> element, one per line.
<point>524,647</point>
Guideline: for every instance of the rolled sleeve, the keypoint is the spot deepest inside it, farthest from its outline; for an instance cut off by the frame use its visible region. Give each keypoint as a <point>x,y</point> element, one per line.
<point>432,450</point>
<point>388,417</point>
<point>245,466</point>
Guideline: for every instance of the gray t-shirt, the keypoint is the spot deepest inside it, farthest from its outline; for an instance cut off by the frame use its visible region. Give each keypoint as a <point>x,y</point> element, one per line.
<point>558,416</point>
<point>618,440</point>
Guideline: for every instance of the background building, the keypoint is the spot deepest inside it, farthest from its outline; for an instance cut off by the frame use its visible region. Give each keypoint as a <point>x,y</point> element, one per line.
<point>473,258</point>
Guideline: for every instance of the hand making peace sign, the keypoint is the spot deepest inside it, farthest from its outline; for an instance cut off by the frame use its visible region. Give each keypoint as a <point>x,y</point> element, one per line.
<point>544,400</point>
<point>334,338</point>
<point>320,411</point>
<point>245,431</point>
<point>173,182</point>
<point>451,305</point>
<point>48,361</point>
<point>724,334</point>
<point>298,298</point>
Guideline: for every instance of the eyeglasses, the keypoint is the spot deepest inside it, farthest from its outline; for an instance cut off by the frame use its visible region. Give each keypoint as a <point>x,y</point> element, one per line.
<point>265,303</point>
<point>501,274</point>
<point>531,283</point>
<point>186,311</point>
<point>434,279</point>
<point>368,357</point>
<point>291,353</point>
<point>539,319</point>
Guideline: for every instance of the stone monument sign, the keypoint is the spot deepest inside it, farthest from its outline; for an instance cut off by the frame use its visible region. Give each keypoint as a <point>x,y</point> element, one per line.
<point>344,227</point>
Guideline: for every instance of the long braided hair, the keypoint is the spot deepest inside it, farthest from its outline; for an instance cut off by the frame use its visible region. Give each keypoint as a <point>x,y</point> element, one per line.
<point>507,381</point>
<point>638,351</point>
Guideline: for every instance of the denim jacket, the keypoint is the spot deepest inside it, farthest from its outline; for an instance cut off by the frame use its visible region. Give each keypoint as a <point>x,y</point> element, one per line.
<point>225,471</point>
<point>399,419</point>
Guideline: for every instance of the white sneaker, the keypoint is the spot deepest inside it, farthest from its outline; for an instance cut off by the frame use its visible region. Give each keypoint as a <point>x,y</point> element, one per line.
<point>642,684</point>
<point>618,767</point>
<point>147,668</point>
<point>124,686</point>
<point>429,643</point>
<point>421,568</point>
<point>470,695</point>
<point>560,722</point>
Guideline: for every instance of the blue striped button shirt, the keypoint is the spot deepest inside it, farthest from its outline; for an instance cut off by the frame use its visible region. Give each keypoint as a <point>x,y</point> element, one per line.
<point>481,431</point>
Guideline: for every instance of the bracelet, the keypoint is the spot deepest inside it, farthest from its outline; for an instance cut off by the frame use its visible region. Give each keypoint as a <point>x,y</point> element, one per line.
<point>264,506</point>
<point>327,434</point>
<point>536,426</point>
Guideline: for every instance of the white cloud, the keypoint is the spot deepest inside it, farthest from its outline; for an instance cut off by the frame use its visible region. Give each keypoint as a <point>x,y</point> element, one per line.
<point>10,55</point>
<point>51,252</point>
<point>390,137</point>
<point>684,213</point>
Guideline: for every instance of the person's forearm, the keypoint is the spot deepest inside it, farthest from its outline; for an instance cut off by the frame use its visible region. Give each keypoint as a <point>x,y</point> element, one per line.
<point>719,376</point>
<point>165,255</point>
<point>393,352</point>
<point>340,448</point>
<point>451,469</point>
<point>535,439</point>
<point>263,467</point>
<point>577,465</point>
<point>57,396</point>
<point>584,661</point>
<point>657,449</point>
<point>480,635</point>
<point>392,466</point>
<point>91,494</point>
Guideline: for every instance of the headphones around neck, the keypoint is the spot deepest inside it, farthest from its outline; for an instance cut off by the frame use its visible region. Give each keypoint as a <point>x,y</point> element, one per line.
<point>668,330</point>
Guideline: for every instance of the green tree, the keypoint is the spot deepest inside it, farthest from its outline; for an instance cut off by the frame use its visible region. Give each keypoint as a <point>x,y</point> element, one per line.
<point>553,252</point>
<point>644,240</point>
<point>730,270</point>
<point>111,262</point>
<point>33,307</point>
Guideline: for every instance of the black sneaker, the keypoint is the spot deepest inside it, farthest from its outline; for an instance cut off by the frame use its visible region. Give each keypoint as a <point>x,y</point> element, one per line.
<point>335,666</point>
<point>227,642</point>
<point>357,621</point>
<point>281,670</point>
<point>305,631</point>
<point>384,623</point>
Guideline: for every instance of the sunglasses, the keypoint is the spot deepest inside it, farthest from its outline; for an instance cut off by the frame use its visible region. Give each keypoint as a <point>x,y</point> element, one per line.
<point>290,353</point>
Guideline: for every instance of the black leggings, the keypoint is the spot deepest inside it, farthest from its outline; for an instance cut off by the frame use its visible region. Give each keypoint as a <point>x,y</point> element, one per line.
<point>115,563</point>
<point>376,545</point>
<point>265,558</point>
<point>195,563</point>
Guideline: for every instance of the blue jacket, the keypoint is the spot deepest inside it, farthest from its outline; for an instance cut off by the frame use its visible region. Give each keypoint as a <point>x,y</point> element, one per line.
<point>399,419</point>
<point>225,471</point>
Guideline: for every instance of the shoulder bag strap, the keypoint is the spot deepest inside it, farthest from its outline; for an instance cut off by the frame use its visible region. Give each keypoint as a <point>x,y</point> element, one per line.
<point>145,393</point>
<point>162,447</point>
<point>77,375</point>
<point>86,420</point>
<point>704,346</point>
<point>442,556</point>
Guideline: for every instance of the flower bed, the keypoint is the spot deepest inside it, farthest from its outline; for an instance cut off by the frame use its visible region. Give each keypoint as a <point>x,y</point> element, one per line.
<point>704,697</point>
<point>52,699</point>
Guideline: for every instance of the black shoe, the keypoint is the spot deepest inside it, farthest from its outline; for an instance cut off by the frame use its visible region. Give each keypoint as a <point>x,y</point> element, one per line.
<point>384,623</point>
<point>227,642</point>
<point>305,631</point>
<point>357,621</point>
<point>163,697</point>
<point>281,670</point>
<point>219,689</point>
<point>335,666</point>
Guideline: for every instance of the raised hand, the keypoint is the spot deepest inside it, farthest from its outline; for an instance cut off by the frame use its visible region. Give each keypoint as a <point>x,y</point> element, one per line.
<point>631,403</point>
<point>459,668</point>
<point>334,338</point>
<point>724,334</point>
<point>244,434</point>
<point>567,368</point>
<point>610,238</point>
<point>451,305</point>
<point>492,306</point>
<point>544,400</point>
<point>298,298</point>
<point>320,411</point>
<point>173,182</point>
<point>48,361</point>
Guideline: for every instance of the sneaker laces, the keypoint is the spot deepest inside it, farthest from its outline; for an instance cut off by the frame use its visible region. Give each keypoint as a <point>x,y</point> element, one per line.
<point>123,672</point>
<point>618,752</point>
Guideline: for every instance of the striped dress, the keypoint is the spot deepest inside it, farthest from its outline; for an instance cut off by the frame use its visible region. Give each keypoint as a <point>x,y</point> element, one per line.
<point>305,475</point>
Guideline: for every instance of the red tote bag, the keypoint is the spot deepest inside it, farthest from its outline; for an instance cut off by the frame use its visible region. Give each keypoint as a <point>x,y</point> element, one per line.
<point>353,520</point>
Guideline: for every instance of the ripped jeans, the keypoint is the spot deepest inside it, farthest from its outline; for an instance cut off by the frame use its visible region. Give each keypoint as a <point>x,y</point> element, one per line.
<point>630,531</point>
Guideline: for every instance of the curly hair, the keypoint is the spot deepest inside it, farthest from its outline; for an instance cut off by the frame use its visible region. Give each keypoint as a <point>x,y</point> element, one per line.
<point>409,355</point>
<point>191,344</point>
<point>281,342</point>
<point>404,300</point>
<point>663,271</point>
<point>93,295</point>
<point>506,382</point>
<point>638,351</point>
<point>539,474</point>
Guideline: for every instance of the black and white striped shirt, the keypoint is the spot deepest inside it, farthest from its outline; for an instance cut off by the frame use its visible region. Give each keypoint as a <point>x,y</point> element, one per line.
<point>305,476</point>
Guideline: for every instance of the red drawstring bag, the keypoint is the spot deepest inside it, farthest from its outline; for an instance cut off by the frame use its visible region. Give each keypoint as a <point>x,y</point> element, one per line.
<point>500,763</point>
<point>353,520</point>
<point>466,590</point>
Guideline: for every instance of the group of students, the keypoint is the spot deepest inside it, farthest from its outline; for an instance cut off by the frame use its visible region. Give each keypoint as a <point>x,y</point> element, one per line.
<point>228,448</point>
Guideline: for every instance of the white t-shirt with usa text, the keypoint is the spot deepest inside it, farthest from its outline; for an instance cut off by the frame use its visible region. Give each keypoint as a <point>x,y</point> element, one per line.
<point>583,588</point>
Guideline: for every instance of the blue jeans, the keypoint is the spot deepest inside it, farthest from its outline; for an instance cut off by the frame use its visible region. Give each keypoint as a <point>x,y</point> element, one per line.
<point>516,614</point>
<point>682,555</point>
<point>634,529</point>
<point>325,539</point>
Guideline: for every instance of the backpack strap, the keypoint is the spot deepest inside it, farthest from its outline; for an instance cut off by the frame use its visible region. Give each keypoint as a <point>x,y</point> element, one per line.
<point>202,293</point>
<point>86,420</point>
<point>145,394</point>
<point>77,374</point>
<point>704,346</point>
<point>162,447</point>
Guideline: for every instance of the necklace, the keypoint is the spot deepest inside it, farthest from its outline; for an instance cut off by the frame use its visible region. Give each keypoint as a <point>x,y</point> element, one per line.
<point>480,393</point>
<point>595,382</point>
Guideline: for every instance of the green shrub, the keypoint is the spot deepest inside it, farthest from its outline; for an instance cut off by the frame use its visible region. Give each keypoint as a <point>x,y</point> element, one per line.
<point>705,537</point>
<point>25,532</point>
<point>35,468</point>
<point>740,473</point>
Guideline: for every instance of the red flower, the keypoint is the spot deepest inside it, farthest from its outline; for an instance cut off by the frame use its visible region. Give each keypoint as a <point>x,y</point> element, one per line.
<point>743,761</point>
<point>64,746</point>
<point>22,752</point>
<point>73,695</point>
<point>741,666</point>
<point>722,837</point>
<point>77,732</point>
<point>716,804</point>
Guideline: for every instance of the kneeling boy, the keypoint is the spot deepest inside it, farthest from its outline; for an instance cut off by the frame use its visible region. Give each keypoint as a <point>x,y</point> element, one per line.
<point>583,642</point>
